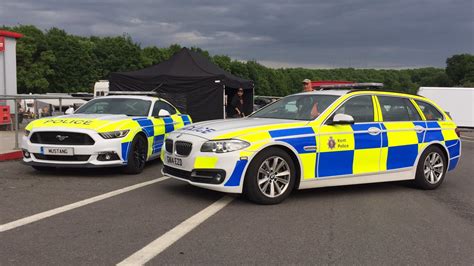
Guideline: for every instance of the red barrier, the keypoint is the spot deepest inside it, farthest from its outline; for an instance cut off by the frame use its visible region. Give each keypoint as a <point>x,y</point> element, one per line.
<point>5,118</point>
<point>13,155</point>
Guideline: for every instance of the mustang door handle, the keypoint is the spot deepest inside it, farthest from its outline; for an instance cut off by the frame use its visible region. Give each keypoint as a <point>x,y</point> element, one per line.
<point>419,129</point>
<point>374,130</point>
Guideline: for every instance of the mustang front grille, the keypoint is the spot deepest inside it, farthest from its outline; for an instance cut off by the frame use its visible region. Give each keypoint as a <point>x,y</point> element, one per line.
<point>61,138</point>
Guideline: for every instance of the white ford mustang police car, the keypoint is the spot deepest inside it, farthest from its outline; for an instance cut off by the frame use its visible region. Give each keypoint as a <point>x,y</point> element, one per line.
<point>108,131</point>
<point>317,139</point>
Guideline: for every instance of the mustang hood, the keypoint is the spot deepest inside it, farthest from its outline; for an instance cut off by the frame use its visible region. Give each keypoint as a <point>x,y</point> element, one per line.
<point>230,128</point>
<point>96,122</point>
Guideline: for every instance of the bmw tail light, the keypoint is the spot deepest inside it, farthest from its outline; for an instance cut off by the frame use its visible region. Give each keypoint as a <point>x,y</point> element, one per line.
<point>458,132</point>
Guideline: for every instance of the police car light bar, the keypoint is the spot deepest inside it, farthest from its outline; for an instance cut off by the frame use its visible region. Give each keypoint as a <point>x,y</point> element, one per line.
<point>364,85</point>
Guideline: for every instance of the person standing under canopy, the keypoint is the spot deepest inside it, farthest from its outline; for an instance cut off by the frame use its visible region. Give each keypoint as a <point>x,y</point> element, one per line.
<point>237,104</point>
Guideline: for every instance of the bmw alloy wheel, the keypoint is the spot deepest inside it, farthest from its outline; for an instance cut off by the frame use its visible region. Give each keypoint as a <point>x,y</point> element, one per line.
<point>433,168</point>
<point>273,176</point>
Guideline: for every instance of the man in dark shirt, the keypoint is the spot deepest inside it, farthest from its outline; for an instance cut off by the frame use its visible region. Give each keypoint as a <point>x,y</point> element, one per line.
<point>237,103</point>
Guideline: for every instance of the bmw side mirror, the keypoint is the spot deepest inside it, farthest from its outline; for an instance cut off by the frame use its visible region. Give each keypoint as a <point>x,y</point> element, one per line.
<point>163,113</point>
<point>342,119</point>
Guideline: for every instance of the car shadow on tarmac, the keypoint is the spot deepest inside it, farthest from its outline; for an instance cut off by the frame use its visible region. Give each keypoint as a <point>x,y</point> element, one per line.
<point>374,189</point>
<point>184,190</point>
<point>153,167</point>
<point>345,191</point>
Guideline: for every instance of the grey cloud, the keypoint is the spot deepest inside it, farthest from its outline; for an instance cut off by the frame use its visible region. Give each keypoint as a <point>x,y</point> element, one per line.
<point>345,33</point>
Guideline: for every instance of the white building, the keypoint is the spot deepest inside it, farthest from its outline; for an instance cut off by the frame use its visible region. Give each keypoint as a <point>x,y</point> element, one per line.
<point>8,65</point>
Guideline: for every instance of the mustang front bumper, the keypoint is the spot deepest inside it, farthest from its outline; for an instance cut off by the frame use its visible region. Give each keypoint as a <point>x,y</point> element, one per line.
<point>103,153</point>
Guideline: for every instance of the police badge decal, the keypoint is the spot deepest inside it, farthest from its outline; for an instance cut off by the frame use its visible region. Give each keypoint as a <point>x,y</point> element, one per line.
<point>331,143</point>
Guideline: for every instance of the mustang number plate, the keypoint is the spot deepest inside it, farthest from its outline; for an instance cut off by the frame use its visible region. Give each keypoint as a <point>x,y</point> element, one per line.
<point>58,151</point>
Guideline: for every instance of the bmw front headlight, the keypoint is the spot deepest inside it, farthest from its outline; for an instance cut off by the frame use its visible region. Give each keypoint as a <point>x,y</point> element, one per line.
<point>114,134</point>
<point>221,146</point>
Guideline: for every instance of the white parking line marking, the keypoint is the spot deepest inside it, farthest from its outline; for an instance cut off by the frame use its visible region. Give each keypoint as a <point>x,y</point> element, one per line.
<point>163,242</point>
<point>46,214</point>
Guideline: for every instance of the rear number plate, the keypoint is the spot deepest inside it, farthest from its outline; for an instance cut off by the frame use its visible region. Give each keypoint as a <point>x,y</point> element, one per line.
<point>174,161</point>
<point>57,151</point>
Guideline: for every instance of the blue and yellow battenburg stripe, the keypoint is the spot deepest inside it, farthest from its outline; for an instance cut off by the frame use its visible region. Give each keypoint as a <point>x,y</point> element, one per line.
<point>155,130</point>
<point>398,146</point>
<point>355,151</point>
<point>303,140</point>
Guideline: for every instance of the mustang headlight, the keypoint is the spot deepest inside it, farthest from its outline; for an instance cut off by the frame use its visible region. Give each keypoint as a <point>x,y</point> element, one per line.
<point>114,134</point>
<point>221,146</point>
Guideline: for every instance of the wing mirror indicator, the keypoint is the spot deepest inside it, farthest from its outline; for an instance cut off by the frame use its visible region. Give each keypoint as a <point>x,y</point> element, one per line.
<point>342,119</point>
<point>163,113</point>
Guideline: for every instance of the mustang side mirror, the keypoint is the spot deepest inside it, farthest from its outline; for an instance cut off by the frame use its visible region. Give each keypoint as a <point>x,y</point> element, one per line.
<point>163,113</point>
<point>342,119</point>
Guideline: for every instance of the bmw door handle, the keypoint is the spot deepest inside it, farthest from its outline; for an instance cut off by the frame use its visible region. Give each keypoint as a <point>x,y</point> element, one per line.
<point>419,129</point>
<point>374,131</point>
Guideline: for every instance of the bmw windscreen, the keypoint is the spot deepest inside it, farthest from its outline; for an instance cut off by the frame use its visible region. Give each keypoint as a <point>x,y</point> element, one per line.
<point>129,107</point>
<point>297,107</point>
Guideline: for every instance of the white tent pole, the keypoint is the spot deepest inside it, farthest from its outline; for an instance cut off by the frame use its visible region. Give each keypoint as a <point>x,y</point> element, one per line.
<point>223,101</point>
<point>253,96</point>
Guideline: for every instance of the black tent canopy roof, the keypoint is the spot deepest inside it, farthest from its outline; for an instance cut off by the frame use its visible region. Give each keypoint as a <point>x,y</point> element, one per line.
<point>185,66</point>
<point>188,81</point>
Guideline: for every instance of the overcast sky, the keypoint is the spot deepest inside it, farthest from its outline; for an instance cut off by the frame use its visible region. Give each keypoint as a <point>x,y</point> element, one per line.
<point>314,33</point>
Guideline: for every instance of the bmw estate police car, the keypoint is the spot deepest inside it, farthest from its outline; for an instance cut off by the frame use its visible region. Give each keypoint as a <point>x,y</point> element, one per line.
<point>108,131</point>
<point>317,139</point>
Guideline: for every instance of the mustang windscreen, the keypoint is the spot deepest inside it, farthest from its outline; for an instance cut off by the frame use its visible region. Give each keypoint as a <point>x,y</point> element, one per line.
<point>297,107</point>
<point>130,107</point>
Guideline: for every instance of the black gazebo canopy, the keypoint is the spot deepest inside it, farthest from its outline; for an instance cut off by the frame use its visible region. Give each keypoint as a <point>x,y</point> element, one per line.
<point>188,80</point>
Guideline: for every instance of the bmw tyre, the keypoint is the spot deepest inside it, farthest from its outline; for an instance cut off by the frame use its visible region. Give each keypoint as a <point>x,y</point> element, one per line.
<point>431,168</point>
<point>270,177</point>
<point>136,156</point>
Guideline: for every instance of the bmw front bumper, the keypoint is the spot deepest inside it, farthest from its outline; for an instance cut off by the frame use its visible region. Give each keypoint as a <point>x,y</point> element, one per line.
<point>216,171</point>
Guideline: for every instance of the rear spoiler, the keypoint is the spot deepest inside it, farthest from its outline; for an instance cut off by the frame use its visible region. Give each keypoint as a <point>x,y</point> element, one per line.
<point>449,115</point>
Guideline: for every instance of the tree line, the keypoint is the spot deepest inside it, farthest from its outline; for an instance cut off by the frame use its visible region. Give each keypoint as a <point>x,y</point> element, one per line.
<point>54,61</point>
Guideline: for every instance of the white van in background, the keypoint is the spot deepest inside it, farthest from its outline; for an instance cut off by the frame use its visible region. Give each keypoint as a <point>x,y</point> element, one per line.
<point>458,102</point>
<point>101,88</point>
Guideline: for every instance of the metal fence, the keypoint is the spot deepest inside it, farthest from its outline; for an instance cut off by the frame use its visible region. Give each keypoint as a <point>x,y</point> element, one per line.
<point>25,108</point>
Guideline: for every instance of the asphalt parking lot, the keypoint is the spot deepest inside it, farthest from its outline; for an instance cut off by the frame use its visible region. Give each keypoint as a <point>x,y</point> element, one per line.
<point>387,223</point>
